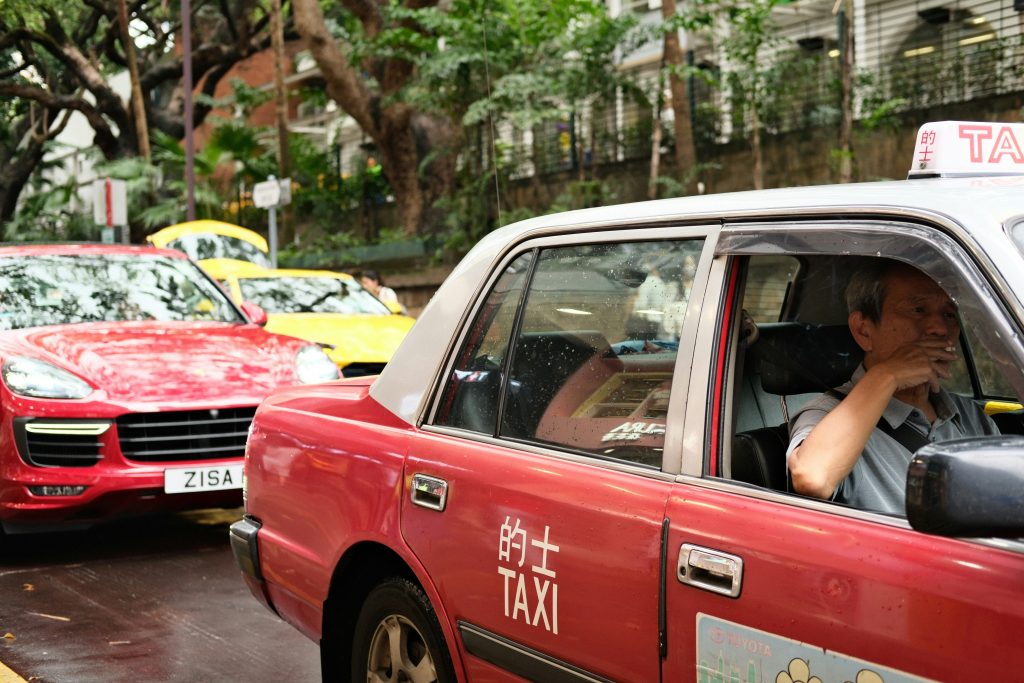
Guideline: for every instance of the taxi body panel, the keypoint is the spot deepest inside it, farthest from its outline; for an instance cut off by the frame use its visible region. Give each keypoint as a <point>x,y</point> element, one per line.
<point>841,586</point>
<point>563,478</point>
<point>149,378</point>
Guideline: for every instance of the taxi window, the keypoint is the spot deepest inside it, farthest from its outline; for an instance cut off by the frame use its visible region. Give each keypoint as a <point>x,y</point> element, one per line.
<point>991,379</point>
<point>470,399</point>
<point>780,366</point>
<point>594,348</point>
<point>768,281</point>
<point>593,358</point>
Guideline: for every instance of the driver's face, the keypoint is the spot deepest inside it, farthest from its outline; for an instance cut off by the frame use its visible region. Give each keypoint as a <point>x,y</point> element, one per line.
<point>915,308</point>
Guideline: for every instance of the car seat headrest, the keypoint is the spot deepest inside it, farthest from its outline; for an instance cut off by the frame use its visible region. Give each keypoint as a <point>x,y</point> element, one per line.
<point>797,358</point>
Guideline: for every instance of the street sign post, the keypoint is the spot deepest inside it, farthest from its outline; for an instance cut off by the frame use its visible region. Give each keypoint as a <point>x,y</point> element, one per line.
<point>110,208</point>
<point>265,195</point>
<point>271,194</point>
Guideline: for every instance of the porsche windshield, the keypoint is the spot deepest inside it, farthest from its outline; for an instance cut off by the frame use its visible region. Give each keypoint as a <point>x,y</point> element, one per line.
<point>310,295</point>
<point>63,289</point>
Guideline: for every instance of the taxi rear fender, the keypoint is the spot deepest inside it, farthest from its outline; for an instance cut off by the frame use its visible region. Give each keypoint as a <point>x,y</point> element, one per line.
<point>360,568</point>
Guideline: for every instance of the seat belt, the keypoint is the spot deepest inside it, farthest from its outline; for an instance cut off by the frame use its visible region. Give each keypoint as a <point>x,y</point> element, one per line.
<point>905,435</point>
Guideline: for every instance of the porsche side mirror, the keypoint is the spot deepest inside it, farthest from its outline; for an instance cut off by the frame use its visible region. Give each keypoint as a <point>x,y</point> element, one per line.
<point>968,487</point>
<point>254,313</point>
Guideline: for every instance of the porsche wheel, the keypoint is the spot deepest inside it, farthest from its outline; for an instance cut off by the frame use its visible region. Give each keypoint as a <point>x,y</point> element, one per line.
<point>398,638</point>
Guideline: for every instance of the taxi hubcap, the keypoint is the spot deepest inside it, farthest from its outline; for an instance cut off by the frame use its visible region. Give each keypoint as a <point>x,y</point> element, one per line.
<point>398,654</point>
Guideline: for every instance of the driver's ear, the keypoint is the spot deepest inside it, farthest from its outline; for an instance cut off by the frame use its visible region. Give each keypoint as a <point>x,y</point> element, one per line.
<point>862,329</point>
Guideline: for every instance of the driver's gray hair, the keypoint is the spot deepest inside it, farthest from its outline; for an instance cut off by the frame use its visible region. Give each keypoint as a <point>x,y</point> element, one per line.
<point>866,290</point>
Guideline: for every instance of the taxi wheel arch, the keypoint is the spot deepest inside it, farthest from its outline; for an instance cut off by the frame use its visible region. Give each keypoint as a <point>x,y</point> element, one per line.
<point>359,571</point>
<point>397,617</point>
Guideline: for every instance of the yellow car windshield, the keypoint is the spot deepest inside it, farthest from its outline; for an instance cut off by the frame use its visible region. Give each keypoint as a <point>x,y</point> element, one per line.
<point>204,246</point>
<point>310,295</point>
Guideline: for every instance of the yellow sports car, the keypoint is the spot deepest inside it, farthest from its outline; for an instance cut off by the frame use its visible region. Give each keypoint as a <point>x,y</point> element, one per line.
<point>332,309</point>
<point>219,248</point>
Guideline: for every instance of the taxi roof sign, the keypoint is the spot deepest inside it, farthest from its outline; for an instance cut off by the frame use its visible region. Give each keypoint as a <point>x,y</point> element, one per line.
<point>968,148</point>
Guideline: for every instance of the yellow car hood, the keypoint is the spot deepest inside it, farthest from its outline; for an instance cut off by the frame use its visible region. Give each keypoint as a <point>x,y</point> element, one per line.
<point>355,338</point>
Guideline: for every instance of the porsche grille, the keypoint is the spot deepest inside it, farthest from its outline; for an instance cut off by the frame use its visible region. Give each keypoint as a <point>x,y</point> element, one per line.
<point>185,435</point>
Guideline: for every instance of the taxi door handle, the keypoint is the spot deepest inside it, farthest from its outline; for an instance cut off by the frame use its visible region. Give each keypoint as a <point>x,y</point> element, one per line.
<point>710,570</point>
<point>429,492</point>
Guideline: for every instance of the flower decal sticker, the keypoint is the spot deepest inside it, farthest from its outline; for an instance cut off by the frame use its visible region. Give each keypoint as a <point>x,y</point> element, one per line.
<point>868,676</point>
<point>799,671</point>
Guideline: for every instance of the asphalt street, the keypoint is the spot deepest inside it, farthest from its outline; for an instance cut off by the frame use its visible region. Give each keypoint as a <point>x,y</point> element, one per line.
<point>154,599</point>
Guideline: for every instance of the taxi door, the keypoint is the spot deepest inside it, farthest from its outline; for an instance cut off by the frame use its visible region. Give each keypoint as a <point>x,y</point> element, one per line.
<point>542,529</point>
<point>547,569</point>
<point>764,585</point>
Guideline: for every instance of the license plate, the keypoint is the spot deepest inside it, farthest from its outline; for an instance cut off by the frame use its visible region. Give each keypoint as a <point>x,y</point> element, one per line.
<point>211,478</point>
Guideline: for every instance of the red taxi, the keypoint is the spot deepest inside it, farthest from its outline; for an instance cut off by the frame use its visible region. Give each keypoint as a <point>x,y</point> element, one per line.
<point>129,383</point>
<point>574,467</point>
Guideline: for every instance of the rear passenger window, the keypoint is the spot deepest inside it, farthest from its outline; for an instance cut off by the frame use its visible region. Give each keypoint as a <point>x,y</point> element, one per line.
<point>594,349</point>
<point>470,399</point>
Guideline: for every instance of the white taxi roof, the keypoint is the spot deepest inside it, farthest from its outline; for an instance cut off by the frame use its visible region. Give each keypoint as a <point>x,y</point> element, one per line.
<point>977,209</point>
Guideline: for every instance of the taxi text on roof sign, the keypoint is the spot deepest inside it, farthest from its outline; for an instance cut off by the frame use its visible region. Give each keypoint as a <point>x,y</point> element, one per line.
<point>966,148</point>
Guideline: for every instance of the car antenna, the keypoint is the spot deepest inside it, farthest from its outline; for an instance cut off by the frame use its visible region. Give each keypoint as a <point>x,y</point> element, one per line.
<point>490,117</point>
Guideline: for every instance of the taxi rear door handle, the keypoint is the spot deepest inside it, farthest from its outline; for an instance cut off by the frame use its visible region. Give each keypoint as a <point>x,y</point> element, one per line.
<point>429,492</point>
<point>710,570</point>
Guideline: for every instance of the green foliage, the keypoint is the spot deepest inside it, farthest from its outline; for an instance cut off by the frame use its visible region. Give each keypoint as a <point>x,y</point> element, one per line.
<point>673,187</point>
<point>247,98</point>
<point>51,214</point>
<point>801,90</point>
<point>584,195</point>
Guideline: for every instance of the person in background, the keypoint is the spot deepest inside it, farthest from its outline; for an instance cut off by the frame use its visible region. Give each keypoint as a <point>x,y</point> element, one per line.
<point>371,280</point>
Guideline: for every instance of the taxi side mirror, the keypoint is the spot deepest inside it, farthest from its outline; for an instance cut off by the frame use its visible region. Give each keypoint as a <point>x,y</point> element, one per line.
<point>394,307</point>
<point>255,313</point>
<point>968,487</point>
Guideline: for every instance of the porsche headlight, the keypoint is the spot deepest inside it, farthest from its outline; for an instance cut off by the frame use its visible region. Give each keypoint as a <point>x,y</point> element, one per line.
<point>39,379</point>
<point>312,365</point>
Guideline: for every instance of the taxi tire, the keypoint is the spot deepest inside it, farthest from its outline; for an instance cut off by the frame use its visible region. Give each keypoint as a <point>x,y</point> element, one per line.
<point>397,603</point>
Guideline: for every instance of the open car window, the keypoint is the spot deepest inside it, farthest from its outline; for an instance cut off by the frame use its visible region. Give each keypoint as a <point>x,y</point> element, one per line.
<point>785,355</point>
<point>593,347</point>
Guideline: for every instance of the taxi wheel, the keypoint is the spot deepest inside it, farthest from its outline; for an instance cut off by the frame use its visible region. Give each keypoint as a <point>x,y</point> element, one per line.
<point>398,638</point>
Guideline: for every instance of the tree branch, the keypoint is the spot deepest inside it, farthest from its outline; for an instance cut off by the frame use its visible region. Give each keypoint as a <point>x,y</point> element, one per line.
<point>343,83</point>
<point>368,13</point>
<point>105,138</point>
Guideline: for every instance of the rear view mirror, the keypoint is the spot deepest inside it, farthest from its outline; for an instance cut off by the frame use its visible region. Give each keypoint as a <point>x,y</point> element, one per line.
<point>254,313</point>
<point>968,487</point>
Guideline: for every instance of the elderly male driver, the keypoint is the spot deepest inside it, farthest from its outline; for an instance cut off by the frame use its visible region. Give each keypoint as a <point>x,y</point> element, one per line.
<point>853,444</point>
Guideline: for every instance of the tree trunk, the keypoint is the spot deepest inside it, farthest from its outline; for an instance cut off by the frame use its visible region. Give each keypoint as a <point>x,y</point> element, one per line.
<point>685,150</point>
<point>138,103</point>
<point>403,136</point>
<point>281,113</point>
<point>652,180</point>
<point>15,172</point>
<point>281,93</point>
<point>846,108</point>
<point>755,144</point>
